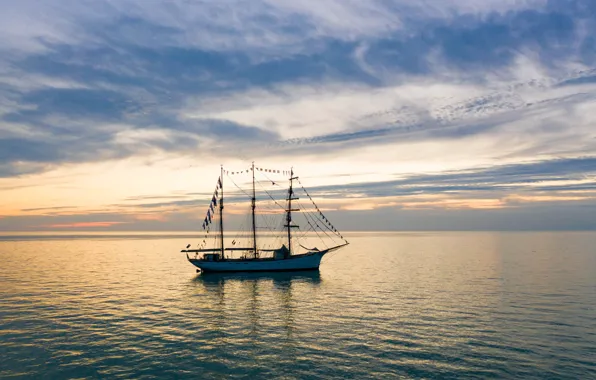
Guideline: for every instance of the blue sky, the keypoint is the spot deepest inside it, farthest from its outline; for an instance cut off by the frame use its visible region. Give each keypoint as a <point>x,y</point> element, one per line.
<point>452,114</point>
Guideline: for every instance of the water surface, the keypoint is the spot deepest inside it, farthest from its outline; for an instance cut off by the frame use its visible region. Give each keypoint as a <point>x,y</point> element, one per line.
<point>412,305</point>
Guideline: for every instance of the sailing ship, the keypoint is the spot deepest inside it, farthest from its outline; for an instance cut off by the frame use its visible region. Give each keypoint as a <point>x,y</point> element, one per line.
<point>278,246</point>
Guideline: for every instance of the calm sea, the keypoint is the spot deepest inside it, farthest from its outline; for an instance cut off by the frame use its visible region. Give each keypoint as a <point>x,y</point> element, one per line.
<point>412,305</point>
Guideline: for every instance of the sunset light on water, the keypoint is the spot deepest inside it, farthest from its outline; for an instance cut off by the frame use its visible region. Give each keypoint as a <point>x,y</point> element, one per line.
<point>167,166</point>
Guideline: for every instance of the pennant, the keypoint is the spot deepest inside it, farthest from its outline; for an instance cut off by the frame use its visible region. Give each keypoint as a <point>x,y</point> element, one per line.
<point>218,183</point>
<point>216,193</point>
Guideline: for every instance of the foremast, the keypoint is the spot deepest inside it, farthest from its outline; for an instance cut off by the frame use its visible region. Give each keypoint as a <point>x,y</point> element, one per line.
<point>253,205</point>
<point>221,207</point>
<point>289,210</point>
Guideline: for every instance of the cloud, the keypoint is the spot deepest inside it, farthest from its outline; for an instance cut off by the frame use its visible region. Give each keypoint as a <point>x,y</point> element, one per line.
<point>47,208</point>
<point>82,225</point>
<point>524,185</point>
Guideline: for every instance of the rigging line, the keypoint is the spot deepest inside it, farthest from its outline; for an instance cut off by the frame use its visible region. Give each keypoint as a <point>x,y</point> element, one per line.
<point>305,213</point>
<point>240,232</point>
<point>309,197</point>
<point>271,196</point>
<point>266,204</point>
<point>270,180</point>
<point>269,218</point>
<point>316,218</point>
<point>332,254</point>
<point>333,229</point>
<point>267,221</point>
<point>318,221</point>
<point>334,234</point>
<point>319,236</point>
<point>299,238</point>
<point>323,240</point>
<point>323,231</point>
<point>304,232</point>
<point>239,188</point>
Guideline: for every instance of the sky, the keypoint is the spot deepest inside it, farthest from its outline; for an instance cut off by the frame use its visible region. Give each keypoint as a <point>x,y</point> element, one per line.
<point>396,115</point>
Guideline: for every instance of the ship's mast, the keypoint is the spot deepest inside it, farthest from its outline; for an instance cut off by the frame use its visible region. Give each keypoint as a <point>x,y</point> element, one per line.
<point>221,207</point>
<point>254,225</point>
<point>289,211</point>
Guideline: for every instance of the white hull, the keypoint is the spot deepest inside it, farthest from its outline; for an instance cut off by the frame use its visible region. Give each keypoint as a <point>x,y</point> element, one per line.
<point>309,261</point>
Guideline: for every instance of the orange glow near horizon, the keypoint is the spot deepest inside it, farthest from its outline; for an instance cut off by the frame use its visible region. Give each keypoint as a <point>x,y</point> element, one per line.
<point>82,225</point>
<point>174,190</point>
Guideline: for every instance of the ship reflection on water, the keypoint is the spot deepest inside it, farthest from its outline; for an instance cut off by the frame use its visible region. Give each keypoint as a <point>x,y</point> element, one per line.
<point>270,302</point>
<point>278,278</point>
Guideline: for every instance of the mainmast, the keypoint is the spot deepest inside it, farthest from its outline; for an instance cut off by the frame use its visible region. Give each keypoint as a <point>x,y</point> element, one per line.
<point>221,206</point>
<point>254,225</point>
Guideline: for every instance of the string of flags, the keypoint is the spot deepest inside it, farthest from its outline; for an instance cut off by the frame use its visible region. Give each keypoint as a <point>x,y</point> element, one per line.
<point>272,171</point>
<point>327,222</point>
<point>211,210</point>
